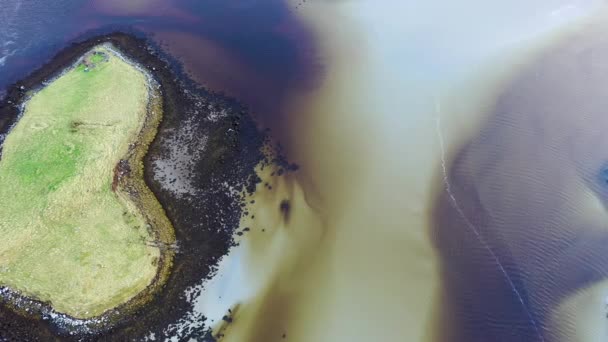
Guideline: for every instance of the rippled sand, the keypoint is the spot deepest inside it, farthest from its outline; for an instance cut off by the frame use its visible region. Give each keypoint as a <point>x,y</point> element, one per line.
<point>369,251</point>
<point>502,101</point>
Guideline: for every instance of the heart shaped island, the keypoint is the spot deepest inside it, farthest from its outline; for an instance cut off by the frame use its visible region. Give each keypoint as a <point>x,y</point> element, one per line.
<point>80,229</point>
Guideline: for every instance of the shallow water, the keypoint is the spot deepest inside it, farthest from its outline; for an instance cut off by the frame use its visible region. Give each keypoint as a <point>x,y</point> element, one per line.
<point>530,184</point>
<point>370,145</point>
<point>383,107</point>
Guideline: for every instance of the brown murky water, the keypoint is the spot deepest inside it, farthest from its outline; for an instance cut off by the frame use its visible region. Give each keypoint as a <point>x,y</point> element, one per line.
<point>450,158</point>
<point>371,252</point>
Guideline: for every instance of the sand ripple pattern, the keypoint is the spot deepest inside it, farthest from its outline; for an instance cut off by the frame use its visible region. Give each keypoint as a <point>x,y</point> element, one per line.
<point>522,226</point>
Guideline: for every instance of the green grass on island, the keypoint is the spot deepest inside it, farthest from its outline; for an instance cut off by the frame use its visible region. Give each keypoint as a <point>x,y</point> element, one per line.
<point>69,237</point>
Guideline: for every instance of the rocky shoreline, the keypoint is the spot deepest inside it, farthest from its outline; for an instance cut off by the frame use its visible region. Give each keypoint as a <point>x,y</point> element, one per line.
<point>219,147</point>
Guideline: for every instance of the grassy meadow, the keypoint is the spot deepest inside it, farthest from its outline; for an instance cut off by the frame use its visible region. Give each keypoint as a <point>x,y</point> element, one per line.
<point>66,237</point>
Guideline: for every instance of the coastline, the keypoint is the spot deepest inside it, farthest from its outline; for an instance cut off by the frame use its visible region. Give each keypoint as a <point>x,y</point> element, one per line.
<point>134,186</point>
<point>130,186</point>
<point>233,152</point>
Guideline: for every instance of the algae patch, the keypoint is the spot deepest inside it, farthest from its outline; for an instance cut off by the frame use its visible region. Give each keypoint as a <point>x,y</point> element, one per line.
<point>80,229</point>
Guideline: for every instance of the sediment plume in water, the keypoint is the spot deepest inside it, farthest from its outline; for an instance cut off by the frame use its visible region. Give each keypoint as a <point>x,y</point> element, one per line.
<point>372,101</point>
<point>369,251</point>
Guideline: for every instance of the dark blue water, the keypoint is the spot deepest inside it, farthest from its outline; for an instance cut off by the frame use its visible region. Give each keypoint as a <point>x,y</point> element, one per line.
<point>259,52</point>
<point>263,38</point>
